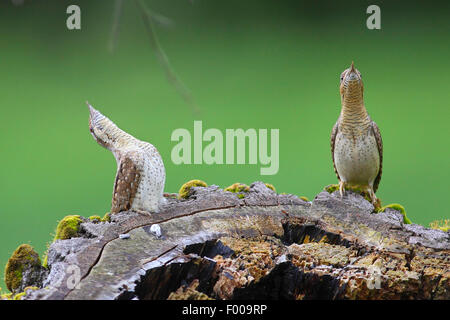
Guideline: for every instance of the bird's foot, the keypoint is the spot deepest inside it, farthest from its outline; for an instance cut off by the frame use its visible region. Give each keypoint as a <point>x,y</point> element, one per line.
<point>375,201</point>
<point>342,188</point>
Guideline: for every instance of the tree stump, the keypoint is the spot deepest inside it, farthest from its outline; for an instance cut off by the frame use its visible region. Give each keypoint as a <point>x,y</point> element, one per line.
<point>216,245</point>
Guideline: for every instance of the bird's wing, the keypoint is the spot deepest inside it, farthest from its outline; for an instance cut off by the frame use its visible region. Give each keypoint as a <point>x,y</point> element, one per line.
<point>125,185</point>
<point>332,141</point>
<point>377,134</point>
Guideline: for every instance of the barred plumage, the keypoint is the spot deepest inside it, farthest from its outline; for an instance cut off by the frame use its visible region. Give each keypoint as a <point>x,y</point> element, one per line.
<point>356,145</point>
<point>140,176</point>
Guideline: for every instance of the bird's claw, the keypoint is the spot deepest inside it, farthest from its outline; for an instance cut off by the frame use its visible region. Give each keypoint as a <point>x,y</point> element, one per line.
<point>342,188</point>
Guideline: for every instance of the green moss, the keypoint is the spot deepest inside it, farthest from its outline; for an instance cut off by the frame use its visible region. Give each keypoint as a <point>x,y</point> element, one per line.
<point>95,219</point>
<point>45,262</point>
<point>356,189</point>
<point>106,217</point>
<point>331,188</point>
<point>238,187</point>
<point>30,288</point>
<point>6,296</point>
<point>271,187</point>
<point>45,256</point>
<point>399,208</point>
<point>443,225</point>
<point>23,257</point>
<point>185,188</point>
<point>68,228</point>
<point>19,296</point>
<point>335,187</point>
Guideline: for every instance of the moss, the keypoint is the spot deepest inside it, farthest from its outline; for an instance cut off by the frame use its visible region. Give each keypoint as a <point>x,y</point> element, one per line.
<point>24,257</point>
<point>68,228</point>
<point>399,208</point>
<point>95,219</point>
<point>331,188</point>
<point>357,189</point>
<point>45,262</point>
<point>443,225</point>
<point>304,198</point>
<point>31,288</point>
<point>45,256</point>
<point>238,187</point>
<point>19,296</point>
<point>271,187</point>
<point>6,296</point>
<point>185,188</point>
<point>106,217</point>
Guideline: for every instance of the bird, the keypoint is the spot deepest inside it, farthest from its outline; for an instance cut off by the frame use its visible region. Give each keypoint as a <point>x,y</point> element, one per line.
<point>356,144</point>
<point>140,176</point>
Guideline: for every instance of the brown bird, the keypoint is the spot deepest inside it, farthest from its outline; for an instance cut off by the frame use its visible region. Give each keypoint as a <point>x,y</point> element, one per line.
<point>356,145</point>
<point>140,173</point>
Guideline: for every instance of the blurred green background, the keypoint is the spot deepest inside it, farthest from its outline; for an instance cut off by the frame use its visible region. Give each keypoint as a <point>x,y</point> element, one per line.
<point>249,64</point>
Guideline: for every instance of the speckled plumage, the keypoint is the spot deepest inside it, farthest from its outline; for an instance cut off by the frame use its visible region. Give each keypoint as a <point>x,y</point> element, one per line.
<point>356,144</point>
<point>141,175</point>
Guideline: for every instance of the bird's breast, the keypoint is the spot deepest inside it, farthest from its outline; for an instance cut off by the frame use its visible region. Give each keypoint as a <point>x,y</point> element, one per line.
<point>151,184</point>
<point>356,158</point>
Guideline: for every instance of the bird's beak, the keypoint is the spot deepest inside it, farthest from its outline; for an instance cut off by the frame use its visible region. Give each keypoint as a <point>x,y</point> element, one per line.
<point>352,74</point>
<point>91,109</point>
<point>94,115</point>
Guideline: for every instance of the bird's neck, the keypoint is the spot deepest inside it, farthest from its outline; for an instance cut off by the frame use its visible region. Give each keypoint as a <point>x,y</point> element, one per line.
<point>117,138</point>
<point>354,116</point>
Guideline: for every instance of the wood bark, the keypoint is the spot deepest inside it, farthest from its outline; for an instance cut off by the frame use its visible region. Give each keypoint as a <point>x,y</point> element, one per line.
<point>215,245</point>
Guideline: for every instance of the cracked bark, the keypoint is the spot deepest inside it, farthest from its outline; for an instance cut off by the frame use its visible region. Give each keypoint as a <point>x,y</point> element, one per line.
<point>264,246</point>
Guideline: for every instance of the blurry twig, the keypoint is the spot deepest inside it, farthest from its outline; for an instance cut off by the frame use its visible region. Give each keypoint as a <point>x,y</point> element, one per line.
<point>118,4</point>
<point>160,19</point>
<point>149,18</point>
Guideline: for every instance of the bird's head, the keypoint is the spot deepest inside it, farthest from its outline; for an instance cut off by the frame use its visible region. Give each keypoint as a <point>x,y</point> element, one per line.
<point>351,87</point>
<point>101,127</point>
